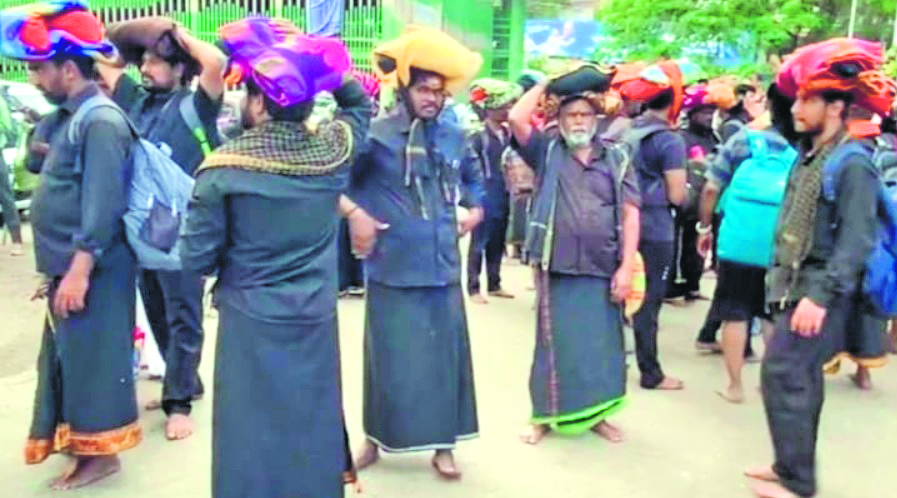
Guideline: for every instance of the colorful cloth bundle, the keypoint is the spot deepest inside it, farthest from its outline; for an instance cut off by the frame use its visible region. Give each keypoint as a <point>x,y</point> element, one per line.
<point>714,94</point>
<point>40,31</point>
<point>841,64</point>
<point>492,94</point>
<point>655,80</point>
<point>136,36</point>
<point>289,68</point>
<point>426,49</point>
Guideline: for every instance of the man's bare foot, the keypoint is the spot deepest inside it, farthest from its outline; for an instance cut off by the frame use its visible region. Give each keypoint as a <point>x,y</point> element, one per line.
<point>609,432</point>
<point>732,395</point>
<point>71,465</point>
<point>764,473</point>
<point>478,299</point>
<point>862,379</point>
<point>153,405</point>
<point>17,250</point>
<point>772,490</point>
<point>444,463</point>
<point>367,456</point>
<point>708,347</point>
<point>669,384</point>
<point>534,433</point>
<point>501,293</point>
<point>178,426</point>
<point>87,470</point>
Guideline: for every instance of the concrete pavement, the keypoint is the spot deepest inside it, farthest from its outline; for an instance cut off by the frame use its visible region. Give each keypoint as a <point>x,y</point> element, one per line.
<point>683,444</point>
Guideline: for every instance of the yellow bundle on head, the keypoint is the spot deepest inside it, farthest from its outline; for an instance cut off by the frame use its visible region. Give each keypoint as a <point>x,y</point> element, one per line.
<point>427,49</point>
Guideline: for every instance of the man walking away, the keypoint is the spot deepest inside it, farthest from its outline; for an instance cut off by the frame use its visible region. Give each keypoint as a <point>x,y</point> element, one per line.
<point>659,158</point>
<point>753,166</point>
<point>264,219</point>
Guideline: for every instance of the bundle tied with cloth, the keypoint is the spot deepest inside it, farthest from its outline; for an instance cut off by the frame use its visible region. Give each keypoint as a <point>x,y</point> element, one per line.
<point>588,81</point>
<point>423,49</point>
<point>487,94</point>
<point>843,65</point>
<point>41,31</point>
<point>656,79</point>
<point>717,94</point>
<point>591,82</point>
<point>426,49</point>
<point>157,35</point>
<point>289,69</point>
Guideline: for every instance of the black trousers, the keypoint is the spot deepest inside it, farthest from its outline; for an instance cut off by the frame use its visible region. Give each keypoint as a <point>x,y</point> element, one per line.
<point>688,265</point>
<point>173,302</point>
<point>793,393</point>
<point>489,238</point>
<point>351,269</point>
<point>658,257</point>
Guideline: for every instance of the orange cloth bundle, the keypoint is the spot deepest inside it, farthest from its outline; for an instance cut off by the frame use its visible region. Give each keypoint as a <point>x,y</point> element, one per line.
<point>840,64</point>
<point>430,50</point>
<point>654,80</point>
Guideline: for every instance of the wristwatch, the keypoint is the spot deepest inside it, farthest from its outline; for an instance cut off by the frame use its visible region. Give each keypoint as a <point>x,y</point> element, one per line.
<point>703,229</point>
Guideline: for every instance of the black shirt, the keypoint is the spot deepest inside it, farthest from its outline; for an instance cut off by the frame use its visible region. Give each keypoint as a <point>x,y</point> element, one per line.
<point>158,118</point>
<point>843,236</point>
<point>585,234</point>
<point>661,152</point>
<point>490,148</point>
<point>83,192</point>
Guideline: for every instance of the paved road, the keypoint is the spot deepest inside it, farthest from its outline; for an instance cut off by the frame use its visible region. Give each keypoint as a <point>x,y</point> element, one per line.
<point>680,445</point>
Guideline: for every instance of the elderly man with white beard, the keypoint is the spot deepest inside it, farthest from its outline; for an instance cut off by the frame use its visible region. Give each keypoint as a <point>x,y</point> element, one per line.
<point>582,241</point>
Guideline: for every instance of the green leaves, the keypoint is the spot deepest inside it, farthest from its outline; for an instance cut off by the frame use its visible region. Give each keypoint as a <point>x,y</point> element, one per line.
<point>757,28</point>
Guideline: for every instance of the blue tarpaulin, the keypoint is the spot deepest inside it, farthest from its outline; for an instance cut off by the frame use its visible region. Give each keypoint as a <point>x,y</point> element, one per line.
<point>325,17</point>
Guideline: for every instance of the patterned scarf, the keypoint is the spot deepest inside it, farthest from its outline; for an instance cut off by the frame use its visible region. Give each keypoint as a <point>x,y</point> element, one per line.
<point>285,148</point>
<point>422,154</point>
<point>794,237</point>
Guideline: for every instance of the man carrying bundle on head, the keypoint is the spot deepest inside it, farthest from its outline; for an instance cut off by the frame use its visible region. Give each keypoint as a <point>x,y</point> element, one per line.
<point>700,103</point>
<point>582,240</point>
<point>491,100</point>
<point>263,218</point>
<point>820,284</point>
<point>418,377</point>
<point>183,124</point>
<point>659,159</point>
<point>85,405</point>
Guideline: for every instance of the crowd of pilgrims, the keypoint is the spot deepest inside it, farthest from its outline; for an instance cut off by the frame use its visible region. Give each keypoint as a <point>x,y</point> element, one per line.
<point>610,182</point>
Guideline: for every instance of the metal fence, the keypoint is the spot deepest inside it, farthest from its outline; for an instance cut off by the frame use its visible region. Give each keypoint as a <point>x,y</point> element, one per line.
<point>362,20</point>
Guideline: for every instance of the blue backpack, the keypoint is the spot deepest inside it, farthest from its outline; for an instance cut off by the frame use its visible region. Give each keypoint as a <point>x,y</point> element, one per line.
<point>157,195</point>
<point>751,203</point>
<point>880,278</point>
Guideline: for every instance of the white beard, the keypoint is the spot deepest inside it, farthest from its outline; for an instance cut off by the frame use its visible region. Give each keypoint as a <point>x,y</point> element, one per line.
<point>578,139</point>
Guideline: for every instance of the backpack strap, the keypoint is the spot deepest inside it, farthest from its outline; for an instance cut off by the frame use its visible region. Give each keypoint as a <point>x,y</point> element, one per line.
<point>191,118</point>
<point>834,166</point>
<point>73,132</point>
<point>757,145</point>
<point>635,136</point>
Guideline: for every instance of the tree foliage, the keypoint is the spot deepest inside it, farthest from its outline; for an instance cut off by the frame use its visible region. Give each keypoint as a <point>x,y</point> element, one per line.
<point>546,9</point>
<point>663,28</point>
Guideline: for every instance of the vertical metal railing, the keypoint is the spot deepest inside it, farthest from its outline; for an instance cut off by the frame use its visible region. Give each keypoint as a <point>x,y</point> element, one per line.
<point>362,20</point>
